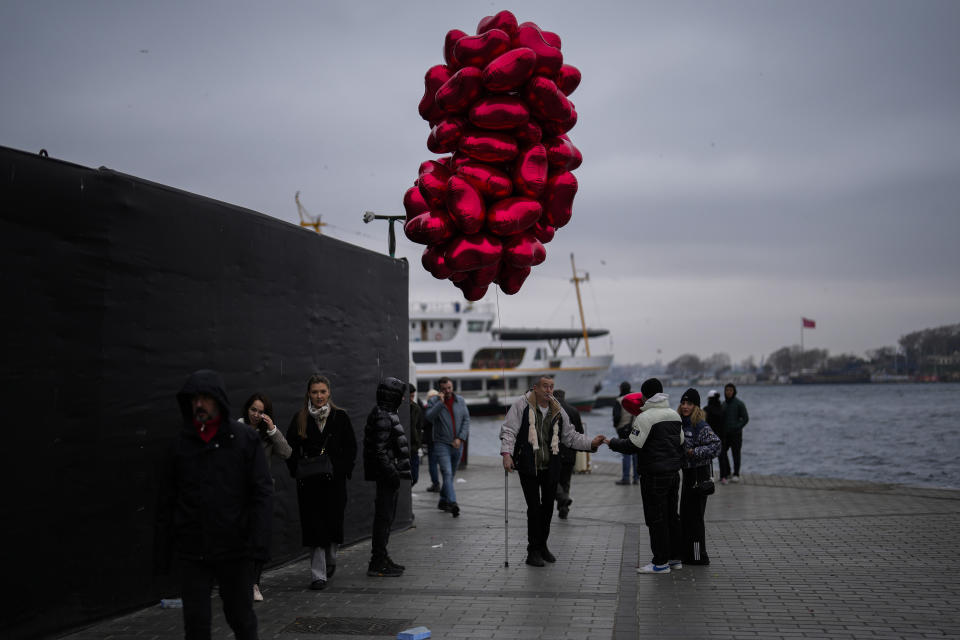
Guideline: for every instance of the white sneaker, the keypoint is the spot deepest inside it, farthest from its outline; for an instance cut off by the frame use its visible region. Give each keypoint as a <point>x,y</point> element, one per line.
<point>675,564</point>
<point>735,479</point>
<point>257,596</point>
<point>654,568</point>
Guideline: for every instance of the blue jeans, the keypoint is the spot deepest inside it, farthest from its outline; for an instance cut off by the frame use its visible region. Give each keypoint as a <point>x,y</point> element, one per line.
<point>448,458</point>
<point>626,467</point>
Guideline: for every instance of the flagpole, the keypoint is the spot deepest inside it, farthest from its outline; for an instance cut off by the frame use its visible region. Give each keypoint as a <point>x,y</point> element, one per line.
<point>801,337</point>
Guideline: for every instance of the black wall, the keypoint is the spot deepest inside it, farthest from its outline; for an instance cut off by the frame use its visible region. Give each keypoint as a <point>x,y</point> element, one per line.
<point>113,290</point>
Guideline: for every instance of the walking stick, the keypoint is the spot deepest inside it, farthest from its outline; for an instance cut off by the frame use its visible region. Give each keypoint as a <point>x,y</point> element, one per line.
<point>506,546</point>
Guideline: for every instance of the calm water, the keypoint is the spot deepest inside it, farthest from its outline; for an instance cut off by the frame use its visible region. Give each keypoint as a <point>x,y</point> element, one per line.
<point>903,433</point>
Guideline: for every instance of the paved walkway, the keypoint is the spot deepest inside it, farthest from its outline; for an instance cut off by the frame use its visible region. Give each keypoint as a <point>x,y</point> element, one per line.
<point>792,558</point>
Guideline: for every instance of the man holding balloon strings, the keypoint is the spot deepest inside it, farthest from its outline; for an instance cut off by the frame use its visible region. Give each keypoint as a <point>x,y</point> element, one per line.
<point>530,440</point>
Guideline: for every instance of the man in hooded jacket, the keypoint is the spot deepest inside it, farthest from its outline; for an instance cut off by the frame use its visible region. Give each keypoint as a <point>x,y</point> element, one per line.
<point>530,440</point>
<point>386,459</point>
<point>657,438</point>
<point>214,508</point>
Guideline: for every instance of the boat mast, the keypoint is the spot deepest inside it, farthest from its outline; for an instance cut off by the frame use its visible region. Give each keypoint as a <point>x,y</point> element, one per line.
<point>576,283</point>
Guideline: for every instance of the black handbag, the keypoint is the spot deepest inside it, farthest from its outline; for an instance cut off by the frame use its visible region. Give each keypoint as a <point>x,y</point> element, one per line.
<point>705,486</point>
<point>310,466</point>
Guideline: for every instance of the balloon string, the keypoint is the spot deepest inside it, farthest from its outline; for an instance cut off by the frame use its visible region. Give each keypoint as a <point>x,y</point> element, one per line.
<point>503,360</point>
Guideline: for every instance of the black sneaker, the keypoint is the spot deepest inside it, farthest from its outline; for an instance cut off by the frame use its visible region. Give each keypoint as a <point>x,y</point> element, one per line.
<point>383,570</point>
<point>562,514</point>
<point>434,488</point>
<point>318,585</point>
<point>443,505</point>
<point>534,559</point>
<point>546,555</point>
<point>331,570</point>
<point>622,482</point>
<point>394,564</point>
<point>454,509</point>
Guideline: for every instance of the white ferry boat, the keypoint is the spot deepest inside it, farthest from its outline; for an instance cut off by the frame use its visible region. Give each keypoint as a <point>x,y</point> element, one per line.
<point>492,366</point>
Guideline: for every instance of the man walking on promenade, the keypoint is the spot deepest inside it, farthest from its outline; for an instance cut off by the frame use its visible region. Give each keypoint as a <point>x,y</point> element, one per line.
<point>450,420</point>
<point>657,438</point>
<point>214,508</point>
<point>735,418</point>
<point>568,457</point>
<point>530,440</point>
<point>621,424</point>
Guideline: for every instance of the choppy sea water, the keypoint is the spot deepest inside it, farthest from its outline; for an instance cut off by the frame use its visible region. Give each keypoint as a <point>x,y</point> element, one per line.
<point>902,433</point>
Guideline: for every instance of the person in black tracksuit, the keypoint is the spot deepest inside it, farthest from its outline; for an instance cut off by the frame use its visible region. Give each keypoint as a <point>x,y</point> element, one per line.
<point>657,438</point>
<point>568,457</point>
<point>386,459</point>
<point>214,508</point>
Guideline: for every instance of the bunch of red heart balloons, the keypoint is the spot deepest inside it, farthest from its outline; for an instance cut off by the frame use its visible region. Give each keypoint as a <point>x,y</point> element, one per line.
<point>499,108</point>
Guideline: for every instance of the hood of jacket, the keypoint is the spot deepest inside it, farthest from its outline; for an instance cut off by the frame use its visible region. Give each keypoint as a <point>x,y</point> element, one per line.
<point>390,394</point>
<point>656,401</point>
<point>206,382</point>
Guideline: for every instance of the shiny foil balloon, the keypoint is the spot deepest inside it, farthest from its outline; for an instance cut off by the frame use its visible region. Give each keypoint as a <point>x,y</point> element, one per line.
<point>499,113</point>
<point>510,70</point>
<point>498,108</point>
<point>488,146</point>
<point>530,171</point>
<point>511,278</point>
<point>492,183</point>
<point>467,253</point>
<point>561,189</point>
<point>430,228</point>
<point>465,205</point>
<point>513,215</point>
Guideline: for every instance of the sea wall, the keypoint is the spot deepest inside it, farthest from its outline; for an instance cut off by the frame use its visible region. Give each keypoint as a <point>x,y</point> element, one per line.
<point>114,289</point>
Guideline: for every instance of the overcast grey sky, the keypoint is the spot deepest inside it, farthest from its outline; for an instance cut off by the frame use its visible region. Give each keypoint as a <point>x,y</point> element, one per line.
<point>745,163</point>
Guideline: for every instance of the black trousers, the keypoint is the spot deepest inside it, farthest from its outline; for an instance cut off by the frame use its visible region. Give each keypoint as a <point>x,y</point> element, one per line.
<point>732,440</point>
<point>660,492</point>
<point>384,511</point>
<point>539,491</point>
<point>563,488</point>
<point>235,580</point>
<point>692,507</point>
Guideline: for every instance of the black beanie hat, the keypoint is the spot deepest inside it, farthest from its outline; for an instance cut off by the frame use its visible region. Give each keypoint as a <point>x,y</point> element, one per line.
<point>624,388</point>
<point>651,387</point>
<point>692,396</point>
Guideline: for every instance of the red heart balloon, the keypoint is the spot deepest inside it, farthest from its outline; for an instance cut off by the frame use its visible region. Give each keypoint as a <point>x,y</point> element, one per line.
<point>499,113</point>
<point>543,231</point>
<point>460,90</point>
<point>432,227</point>
<point>458,276</point>
<point>504,20</point>
<point>446,134</point>
<point>471,291</point>
<point>513,215</point>
<point>510,279</point>
<point>551,38</point>
<point>568,79</point>
<point>487,146</point>
<point>523,250</point>
<point>477,51</point>
<point>530,133</point>
<point>449,42</point>
<point>468,253</point>
<point>484,276</point>
<point>546,100</point>
<point>432,261</point>
<point>562,154</point>
<point>435,78</point>
<point>558,203</point>
<point>492,183</point>
<point>413,203</point>
<point>465,205</point>
<point>530,171</point>
<point>433,183</point>
<point>558,128</point>
<point>549,58</point>
<point>510,70</point>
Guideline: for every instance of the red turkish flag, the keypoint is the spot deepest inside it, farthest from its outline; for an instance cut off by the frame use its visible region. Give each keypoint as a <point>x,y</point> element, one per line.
<point>809,324</point>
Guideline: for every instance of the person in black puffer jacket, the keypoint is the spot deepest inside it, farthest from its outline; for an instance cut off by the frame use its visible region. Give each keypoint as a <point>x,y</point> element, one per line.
<point>214,508</point>
<point>568,457</point>
<point>386,459</point>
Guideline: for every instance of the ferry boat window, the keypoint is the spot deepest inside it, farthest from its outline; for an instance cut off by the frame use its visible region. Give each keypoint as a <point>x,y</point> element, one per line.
<point>423,386</point>
<point>489,324</point>
<point>424,357</point>
<point>493,358</point>
<point>495,384</point>
<point>512,384</point>
<point>451,356</point>
<point>475,326</point>
<point>471,385</point>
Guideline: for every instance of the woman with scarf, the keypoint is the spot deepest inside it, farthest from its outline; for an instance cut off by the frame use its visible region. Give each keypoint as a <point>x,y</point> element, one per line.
<point>700,446</point>
<point>258,414</point>
<point>321,432</point>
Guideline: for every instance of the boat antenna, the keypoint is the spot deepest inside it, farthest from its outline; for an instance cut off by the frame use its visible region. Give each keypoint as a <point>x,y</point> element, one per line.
<point>576,283</point>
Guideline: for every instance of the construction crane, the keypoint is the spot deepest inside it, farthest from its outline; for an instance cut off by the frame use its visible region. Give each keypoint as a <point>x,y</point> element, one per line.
<point>306,218</point>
